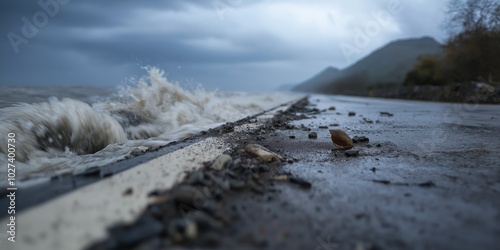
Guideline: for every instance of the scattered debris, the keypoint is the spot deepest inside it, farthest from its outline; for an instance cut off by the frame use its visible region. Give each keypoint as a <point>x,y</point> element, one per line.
<point>385,182</point>
<point>295,180</point>
<point>301,182</point>
<point>128,191</point>
<point>341,139</point>
<point>304,128</point>
<point>386,113</point>
<point>332,108</point>
<point>292,137</point>
<point>352,153</point>
<point>281,178</point>
<point>427,184</point>
<point>323,127</point>
<point>221,161</point>
<point>313,135</point>
<point>357,139</point>
<point>352,113</point>
<point>366,120</point>
<point>263,153</point>
<point>373,169</point>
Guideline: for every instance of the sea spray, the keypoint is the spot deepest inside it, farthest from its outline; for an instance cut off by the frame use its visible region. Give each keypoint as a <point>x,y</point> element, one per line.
<point>66,135</point>
<point>62,125</point>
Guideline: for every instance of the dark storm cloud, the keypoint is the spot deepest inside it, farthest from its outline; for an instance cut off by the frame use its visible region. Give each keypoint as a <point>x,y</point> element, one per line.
<point>249,43</point>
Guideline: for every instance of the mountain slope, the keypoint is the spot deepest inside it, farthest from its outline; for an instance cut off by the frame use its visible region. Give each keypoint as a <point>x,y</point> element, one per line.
<point>321,79</point>
<point>387,65</point>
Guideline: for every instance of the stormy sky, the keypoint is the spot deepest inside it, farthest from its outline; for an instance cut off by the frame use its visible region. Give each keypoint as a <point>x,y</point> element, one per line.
<point>224,44</point>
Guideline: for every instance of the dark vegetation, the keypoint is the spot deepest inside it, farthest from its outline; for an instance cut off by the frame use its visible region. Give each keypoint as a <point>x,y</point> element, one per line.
<point>472,53</point>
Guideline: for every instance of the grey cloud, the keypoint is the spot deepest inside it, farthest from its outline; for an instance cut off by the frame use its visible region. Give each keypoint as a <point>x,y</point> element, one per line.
<point>68,51</point>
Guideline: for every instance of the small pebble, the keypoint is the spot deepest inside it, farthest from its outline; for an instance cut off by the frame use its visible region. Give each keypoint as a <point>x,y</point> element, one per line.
<point>128,191</point>
<point>352,113</point>
<point>427,184</point>
<point>341,139</point>
<point>357,139</point>
<point>299,181</point>
<point>221,161</point>
<point>313,135</point>
<point>352,153</point>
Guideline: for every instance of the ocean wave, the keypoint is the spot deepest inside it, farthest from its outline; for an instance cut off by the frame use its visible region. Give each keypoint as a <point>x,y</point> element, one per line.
<point>68,135</point>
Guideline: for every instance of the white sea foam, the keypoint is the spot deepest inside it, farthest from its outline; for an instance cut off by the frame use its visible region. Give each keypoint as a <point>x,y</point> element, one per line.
<point>68,135</point>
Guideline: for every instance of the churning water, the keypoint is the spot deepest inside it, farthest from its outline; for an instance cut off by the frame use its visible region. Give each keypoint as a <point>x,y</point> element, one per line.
<point>85,127</point>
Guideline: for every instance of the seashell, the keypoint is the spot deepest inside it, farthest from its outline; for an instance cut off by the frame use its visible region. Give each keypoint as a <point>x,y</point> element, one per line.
<point>341,139</point>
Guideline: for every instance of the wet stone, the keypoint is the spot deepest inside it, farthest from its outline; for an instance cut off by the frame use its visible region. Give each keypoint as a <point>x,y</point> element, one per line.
<point>313,135</point>
<point>180,230</point>
<point>299,181</point>
<point>263,153</point>
<point>128,191</point>
<point>237,184</point>
<point>341,139</point>
<point>195,178</point>
<point>427,184</point>
<point>357,139</point>
<point>221,161</point>
<point>366,120</point>
<point>351,153</point>
<point>184,195</point>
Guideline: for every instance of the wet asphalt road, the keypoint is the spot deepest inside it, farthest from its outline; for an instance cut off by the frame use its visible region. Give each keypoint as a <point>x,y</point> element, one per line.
<point>429,178</point>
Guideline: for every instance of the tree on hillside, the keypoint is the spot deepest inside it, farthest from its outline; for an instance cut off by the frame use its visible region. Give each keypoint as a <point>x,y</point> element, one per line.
<point>474,47</point>
<point>427,71</point>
